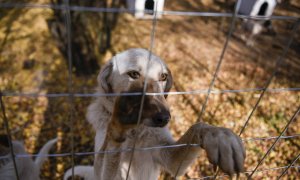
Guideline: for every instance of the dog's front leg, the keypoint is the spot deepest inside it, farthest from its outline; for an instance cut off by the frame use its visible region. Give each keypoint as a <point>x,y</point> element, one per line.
<point>223,148</point>
<point>106,166</point>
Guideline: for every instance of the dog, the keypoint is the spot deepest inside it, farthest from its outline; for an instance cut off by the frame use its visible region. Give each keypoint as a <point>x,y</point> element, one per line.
<point>115,121</point>
<point>26,167</point>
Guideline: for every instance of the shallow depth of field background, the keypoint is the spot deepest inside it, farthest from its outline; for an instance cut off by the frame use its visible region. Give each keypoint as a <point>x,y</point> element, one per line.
<point>33,59</point>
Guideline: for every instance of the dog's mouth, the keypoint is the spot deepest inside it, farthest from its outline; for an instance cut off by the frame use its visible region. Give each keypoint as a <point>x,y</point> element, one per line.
<point>153,125</point>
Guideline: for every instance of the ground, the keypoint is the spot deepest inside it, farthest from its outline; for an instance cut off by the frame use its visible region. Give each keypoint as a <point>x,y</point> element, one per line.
<point>30,62</point>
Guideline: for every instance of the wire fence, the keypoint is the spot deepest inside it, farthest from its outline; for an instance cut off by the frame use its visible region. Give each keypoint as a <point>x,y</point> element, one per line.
<point>140,149</point>
<point>71,94</point>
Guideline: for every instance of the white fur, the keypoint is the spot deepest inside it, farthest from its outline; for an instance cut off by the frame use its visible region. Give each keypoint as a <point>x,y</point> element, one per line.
<point>27,168</point>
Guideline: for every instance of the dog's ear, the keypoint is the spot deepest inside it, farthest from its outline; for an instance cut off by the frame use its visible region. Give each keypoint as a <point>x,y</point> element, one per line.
<point>169,82</point>
<point>103,77</point>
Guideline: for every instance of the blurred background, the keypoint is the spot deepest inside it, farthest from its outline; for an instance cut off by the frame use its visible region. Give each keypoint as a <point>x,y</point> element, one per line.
<point>34,61</point>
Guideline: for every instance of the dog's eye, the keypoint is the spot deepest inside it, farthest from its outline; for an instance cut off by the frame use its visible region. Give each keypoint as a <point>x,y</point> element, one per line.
<point>163,77</point>
<point>134,74</point>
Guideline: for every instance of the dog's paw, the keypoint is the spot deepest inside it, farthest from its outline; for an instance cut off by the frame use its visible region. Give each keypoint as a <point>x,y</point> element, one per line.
<point>224,149</point>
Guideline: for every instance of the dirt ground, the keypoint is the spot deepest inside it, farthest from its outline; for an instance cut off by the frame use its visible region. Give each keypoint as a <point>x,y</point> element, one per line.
<point>30,62</point>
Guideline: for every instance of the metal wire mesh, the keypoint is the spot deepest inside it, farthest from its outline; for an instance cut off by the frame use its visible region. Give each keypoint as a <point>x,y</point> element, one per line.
<point>71,93</point>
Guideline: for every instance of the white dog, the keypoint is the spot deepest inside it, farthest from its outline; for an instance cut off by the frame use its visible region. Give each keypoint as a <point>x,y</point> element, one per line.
<point>126,72</point>
<point>27,168</point>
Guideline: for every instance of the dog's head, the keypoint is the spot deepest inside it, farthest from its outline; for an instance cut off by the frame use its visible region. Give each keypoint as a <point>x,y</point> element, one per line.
<point>127,72</point>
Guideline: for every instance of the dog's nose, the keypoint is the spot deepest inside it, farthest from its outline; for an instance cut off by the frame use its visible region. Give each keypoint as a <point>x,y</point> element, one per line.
<point>161,119</point>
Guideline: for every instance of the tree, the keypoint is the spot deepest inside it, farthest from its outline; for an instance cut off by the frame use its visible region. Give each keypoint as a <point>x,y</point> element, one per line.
<point>84,25</point>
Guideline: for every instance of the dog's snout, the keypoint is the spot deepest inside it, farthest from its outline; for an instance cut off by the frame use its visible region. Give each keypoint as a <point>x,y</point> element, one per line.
<point>161,119</point>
